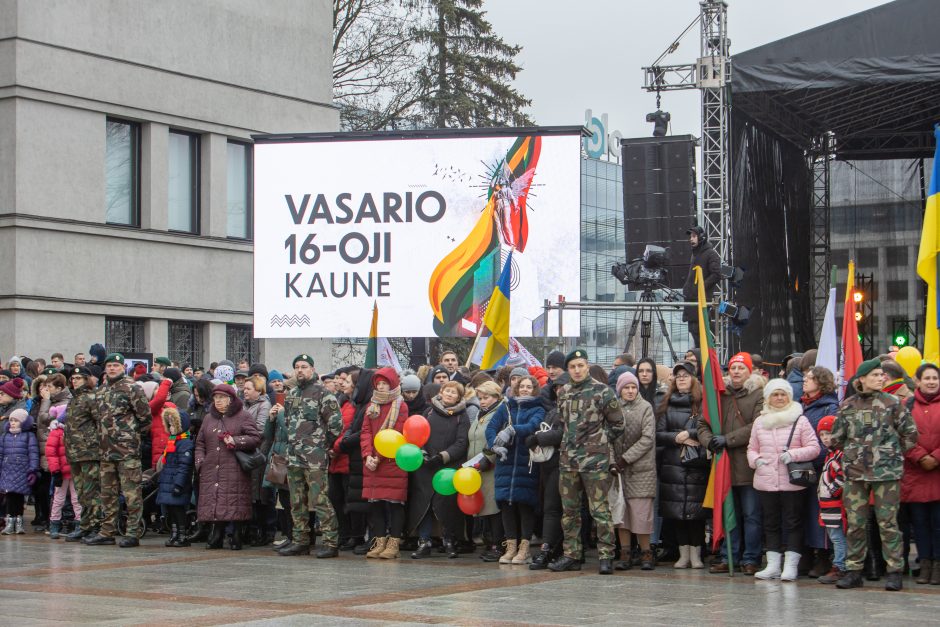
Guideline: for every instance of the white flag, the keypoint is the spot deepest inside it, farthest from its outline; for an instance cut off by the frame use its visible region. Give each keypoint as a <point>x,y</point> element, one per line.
<point>828,352</point>
<point>516,350</point>
<point>385,356</point>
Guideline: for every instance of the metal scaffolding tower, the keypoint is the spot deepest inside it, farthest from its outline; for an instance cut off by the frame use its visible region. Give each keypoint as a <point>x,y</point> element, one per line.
<point>711,75</point>
<point>820,158</point>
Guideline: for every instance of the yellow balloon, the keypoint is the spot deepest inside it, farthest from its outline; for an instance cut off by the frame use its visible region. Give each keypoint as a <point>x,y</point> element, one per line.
<point>468,481</point>
<point>387,442</point>
<point>909,358</point>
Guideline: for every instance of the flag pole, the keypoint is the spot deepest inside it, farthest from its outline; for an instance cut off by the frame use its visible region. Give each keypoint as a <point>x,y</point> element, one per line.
<point>473,348</point>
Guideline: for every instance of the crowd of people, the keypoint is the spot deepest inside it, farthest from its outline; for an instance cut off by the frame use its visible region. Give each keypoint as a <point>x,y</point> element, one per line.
<point>572,457</point>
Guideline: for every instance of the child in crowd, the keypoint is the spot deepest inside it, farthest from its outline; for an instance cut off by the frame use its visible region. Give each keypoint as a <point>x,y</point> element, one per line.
<point>61,473</point>
<point>831,512</point>
<point>175,465</point>
<point>19,467</point>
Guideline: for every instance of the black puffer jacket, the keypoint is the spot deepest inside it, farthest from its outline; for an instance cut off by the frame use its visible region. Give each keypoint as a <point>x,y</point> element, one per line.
<point>350,443</point>
<point>681,488</point>
<point>706,256</point>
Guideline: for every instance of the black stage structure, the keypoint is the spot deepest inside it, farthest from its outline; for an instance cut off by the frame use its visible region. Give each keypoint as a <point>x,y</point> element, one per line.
<point>846,107</point>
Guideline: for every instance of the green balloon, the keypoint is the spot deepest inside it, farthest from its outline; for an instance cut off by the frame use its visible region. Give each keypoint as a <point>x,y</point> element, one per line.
<point>443,481</point>
<point>409,457</point>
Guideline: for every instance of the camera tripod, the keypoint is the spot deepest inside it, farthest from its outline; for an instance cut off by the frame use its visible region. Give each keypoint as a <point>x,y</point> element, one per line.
<point>643,318</point>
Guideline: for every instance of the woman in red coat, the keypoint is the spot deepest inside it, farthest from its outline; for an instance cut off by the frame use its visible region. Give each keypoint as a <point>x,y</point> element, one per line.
<point>384,484</point>
<point>920,484</point>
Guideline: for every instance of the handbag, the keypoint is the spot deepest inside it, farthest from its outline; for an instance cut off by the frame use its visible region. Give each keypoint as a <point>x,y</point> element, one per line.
<point>541,454</point>
<point>277,470</point>
<point>250,460</point>
<point>694,456</point>
<point>801,473</point>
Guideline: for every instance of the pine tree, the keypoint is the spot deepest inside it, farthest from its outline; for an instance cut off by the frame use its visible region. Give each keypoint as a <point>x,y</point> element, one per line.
<point>466,75</point>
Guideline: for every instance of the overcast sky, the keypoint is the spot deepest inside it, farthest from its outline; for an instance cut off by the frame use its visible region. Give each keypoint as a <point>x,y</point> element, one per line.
<point>580,54</point>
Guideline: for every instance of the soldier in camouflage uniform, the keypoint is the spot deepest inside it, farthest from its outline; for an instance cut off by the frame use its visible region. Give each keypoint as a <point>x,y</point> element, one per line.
<point>874,430</point>
<point>123,415</point>
<point>313,422</point>
<point>81,449</point>
<point>592,420</point>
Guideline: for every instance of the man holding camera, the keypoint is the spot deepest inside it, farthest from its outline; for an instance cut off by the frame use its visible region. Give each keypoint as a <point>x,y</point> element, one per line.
<point>704,255</point>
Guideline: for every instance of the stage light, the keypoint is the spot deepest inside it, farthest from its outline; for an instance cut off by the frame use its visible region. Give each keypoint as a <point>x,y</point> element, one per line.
<point>858,296</point>
<point>858,316</point>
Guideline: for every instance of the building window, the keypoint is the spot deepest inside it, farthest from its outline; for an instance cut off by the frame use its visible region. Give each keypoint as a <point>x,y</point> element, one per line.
<point>122,172</point>
<point>124,335</point>
<point>183,197</point>
<point>240,343</point>
<point>185,342</point>
<point>239,191</point>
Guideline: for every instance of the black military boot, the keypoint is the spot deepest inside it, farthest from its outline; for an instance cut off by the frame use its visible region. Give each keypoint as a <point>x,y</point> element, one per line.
<point>893,582</point>
<point>852,579</point>
<point>327,552</point>
<point>564,563</point>
<point>76,535</point>
<point>541,559</point>
<point>128,542</point>
<point>98,540</point>
<point>605,566</point>
<point>295,549</point>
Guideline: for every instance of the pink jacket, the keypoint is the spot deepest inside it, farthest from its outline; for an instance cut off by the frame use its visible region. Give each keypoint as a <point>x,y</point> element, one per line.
<point>768,442</point>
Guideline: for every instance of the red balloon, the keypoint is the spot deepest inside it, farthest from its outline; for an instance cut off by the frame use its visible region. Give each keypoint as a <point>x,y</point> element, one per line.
<point>470,504</point>
<point>417,430</point>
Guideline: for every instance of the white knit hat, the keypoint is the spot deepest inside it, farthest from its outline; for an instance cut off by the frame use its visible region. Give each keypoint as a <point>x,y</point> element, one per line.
<point>777,385</point>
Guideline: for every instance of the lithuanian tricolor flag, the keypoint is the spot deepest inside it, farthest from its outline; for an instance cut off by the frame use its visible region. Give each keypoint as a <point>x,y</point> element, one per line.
<point>718,494</point>
<point>372,353</point>
<point>496,319</point>
<point>928,259</point>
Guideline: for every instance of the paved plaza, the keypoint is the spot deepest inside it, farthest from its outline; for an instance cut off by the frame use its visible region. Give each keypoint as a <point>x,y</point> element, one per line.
<point>48,582</point>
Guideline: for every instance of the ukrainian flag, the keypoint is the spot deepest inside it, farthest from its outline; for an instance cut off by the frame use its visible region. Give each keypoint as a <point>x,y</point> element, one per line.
<point>927,256</point>
<point>497,319</point>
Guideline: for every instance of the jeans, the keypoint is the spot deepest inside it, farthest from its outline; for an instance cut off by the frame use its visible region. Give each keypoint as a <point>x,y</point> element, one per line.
<point>426,527</point>
<point>926,521</point>
<point>837,537</point>
<point>747,515</point>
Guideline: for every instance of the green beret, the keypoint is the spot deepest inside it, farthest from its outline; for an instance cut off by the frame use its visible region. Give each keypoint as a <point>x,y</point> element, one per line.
<point>304,357</point>
<point>50,370</point>
<point>578,353</point>
<point>867,366</point>
<point>163,361</point>
<point>117,358</point>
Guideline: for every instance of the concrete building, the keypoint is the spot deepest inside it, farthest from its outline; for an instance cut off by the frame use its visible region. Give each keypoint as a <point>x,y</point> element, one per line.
<point>125,168</point>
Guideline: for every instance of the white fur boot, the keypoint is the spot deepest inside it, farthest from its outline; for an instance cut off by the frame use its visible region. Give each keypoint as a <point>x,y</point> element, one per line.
<point>773,566</point>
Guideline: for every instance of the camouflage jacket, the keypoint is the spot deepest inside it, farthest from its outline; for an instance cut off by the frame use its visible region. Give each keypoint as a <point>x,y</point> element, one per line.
<point>874,430</point>
<point>81,427</point>
<point>592,420</point>
<point>124,415</point>
<point>313,424</point>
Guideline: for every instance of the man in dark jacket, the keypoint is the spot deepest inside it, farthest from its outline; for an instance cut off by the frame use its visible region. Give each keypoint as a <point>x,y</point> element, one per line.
<point>707,257</point>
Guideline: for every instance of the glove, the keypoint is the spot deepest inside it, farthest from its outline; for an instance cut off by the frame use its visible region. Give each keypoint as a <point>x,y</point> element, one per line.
<point>761,462</point>
<point>177,491</point>
<point>501,451</point>
<point>532,441</point>
<point>57,479</point>
<point>717,443</point>
<point>32,478</point>
<point>483,465</point>
<point>504,437</point>
<point>433,462</point>
<point>785,458</point>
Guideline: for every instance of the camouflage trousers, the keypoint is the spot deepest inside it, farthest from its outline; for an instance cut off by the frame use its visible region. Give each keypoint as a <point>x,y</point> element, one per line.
<point>87,480</point>
<point>308,489</point>
<point>121,477</point>
<point>595,485</point>
<point>887,499</point>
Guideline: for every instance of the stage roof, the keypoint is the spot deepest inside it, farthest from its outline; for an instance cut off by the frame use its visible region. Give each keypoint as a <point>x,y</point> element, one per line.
<point>872,78</point>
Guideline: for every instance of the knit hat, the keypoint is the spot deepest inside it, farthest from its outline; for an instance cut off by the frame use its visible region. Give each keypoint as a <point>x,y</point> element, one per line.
<point>19,414</point>
<point>173,374</point>
<point>519,372</point>
<point>140,369</point>
<point>149,388</point>
<point>275,375</point>
<point>13,388</point>
<point>163,361</point>
<point>778,385</point>
<point>117,358</point>
<point>410,383</point>
<point>303,357</point>
<point>825,424</point>
<point>863,369</point>
<point>227,362</point>
<point>627,378</point>
<point>516,360</point>
<point>258,369</point>
<point>556,359</point>
<point>224,373</point>
<point>742,358</point>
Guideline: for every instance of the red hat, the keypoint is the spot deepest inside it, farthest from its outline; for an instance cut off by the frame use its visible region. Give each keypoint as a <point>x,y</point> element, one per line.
<point>742,358</point>
<point>825,424</point>
<point>13,388</point>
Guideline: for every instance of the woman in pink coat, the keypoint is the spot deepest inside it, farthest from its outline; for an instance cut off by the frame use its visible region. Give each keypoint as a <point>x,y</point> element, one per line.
<point>768,454</point>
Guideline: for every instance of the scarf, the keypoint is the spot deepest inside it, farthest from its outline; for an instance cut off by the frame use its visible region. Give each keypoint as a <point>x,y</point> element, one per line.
<point>171,445</point>
<point>893,386</point>
<point>448,410</point>
<point>383,398</point>
<point>806,399</point>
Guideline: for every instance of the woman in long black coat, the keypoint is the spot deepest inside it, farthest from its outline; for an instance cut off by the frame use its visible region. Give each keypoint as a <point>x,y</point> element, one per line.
<point>356,506</point>
<point>224,488</point>
<point>445,448</point>
<point>682,486</point>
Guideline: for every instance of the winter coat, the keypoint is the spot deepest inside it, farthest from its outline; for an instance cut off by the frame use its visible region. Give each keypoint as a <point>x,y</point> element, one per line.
<point>592,420</point>
<point>125,418</point>
<point>387,482</point>
<point>178,463</point>
<point>81,426</point>
<point>768,442</point>
<point>339,465</point>
<point>274,442</point>
<point>158,434</point>
<point>350,443</point>
<point>449,428</point>
<point>706,256</point>
<point>180,393</point>
<point>829,491</point>
<point>6,410</point>
<point>636,450</point>
<point>919,485</point>
<point>681,488</point>
<point>814,411</point>
<point>19,456</point>
<point>258,410</point>
<point>224,488</point>
<point>874,431</point>
<point>795,379</point>
<point>739,408</point>
<point>517,481</point>
<point>476,442</point>
<point>55,451</point>
<point>44,420</point>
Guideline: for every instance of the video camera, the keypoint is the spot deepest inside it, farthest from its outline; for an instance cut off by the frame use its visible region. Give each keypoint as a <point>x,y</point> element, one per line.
<point>646,272</point>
